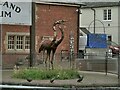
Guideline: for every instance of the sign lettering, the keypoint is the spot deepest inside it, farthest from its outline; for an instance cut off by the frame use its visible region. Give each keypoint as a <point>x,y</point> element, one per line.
<point>15,12</point>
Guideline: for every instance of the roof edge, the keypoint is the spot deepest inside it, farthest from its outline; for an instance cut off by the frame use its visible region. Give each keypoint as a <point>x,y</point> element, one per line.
<point>100,4</point>
<point>61,3</point>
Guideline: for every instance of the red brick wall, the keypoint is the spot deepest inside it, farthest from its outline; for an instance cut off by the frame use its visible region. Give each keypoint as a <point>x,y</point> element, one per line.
<point>46,15</point>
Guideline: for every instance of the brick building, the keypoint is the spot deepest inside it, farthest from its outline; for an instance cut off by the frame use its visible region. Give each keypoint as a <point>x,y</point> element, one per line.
<point>16,38</point>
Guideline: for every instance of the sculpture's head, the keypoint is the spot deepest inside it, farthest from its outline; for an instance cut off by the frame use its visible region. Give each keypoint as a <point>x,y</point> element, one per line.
<point>60,22</point>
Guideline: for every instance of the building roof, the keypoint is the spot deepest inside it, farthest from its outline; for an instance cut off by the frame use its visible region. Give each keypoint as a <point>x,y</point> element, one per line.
<point>100,4</point>
<point>84,3</point>
<point>61,2</point>
<point>78,1</point>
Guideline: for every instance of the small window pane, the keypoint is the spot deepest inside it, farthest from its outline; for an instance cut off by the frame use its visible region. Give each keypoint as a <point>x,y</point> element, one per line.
<point>109,14</point>
<point>11,40</point>
<point>27,42</point>
<point>19,42</point>
<point>105,14</point>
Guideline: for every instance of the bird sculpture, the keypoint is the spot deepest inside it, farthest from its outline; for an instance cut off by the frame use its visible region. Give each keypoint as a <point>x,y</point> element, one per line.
<point>51,45</point>
<point>80,78</point>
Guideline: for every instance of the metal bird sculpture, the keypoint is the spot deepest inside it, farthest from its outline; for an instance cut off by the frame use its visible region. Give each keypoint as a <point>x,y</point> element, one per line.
<point>51,45</point>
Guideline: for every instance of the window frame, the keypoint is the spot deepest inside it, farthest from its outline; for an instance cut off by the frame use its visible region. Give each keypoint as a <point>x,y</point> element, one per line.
<point>15,49</point>
<point>107,15</point>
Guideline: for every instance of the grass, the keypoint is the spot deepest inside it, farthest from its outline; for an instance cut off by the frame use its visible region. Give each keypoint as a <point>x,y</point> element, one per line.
<point>41,74</point>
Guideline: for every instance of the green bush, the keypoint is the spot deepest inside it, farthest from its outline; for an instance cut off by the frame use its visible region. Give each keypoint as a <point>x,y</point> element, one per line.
<point>40,74</point>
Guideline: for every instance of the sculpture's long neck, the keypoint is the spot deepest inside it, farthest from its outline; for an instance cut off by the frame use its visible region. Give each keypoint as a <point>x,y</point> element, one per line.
<point>55,33</point>
<point>62,36</point>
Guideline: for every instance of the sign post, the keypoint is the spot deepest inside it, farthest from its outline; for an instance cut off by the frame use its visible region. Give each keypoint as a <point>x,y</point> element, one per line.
<point>72,50</point>
<point>32,36</point>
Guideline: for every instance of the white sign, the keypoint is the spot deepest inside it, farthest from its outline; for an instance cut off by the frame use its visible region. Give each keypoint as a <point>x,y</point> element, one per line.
<point>17,12</point>
<point>82,42</point>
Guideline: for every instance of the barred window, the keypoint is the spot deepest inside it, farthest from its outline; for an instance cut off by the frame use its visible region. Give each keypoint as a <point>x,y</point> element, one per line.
<point>107,14</point>
<point>18,42</point>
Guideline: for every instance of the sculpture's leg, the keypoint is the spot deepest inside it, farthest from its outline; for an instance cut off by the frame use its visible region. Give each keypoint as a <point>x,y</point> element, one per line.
<point>53,52</point>
<point>46,61</point>
<point>43,55</point>
<point>49,60</point>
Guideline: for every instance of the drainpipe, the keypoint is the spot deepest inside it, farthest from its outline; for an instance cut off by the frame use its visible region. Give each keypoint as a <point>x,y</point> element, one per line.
<point>94,18</point>
<point>78,30</point>
<point>78,27</point>
<point>1,48</point>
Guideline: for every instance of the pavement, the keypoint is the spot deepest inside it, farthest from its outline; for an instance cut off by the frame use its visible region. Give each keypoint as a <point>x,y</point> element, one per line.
<point>90,79</point>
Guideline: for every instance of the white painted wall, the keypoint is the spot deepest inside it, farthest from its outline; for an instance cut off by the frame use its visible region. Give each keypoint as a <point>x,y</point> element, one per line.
<point>87,17</point>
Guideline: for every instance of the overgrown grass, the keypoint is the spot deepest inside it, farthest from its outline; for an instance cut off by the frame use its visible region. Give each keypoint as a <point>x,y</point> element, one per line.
<point>40,74</point>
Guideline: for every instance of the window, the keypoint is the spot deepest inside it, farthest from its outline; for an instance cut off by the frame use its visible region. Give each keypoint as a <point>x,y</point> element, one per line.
<point>18,41</point>
<point>107,14</point>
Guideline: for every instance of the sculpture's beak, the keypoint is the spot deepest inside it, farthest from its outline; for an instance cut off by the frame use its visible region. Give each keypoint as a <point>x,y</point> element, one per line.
<point>65,21</point>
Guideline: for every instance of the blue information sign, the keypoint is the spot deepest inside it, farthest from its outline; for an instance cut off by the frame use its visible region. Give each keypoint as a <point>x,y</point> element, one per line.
<point>96,41</point>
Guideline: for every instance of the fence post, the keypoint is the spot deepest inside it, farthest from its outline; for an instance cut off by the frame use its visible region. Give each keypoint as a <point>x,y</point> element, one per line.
<point>118,68</point>
<point>106,61</point>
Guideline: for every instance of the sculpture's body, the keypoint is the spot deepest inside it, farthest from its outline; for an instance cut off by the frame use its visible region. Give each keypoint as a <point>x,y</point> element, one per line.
<point>51,45</point>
